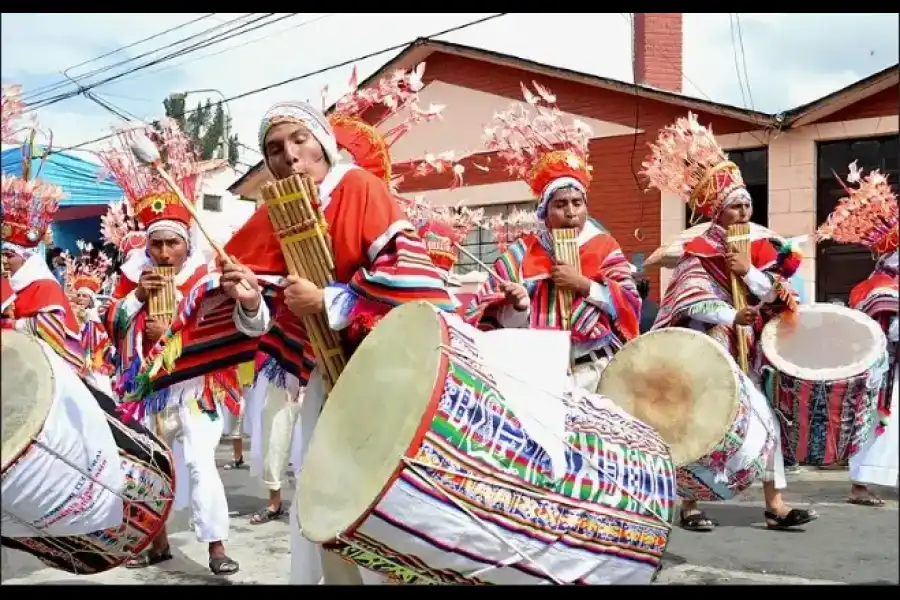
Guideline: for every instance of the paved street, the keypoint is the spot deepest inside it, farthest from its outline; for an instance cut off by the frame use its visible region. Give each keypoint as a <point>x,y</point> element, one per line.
<point>848,544</point>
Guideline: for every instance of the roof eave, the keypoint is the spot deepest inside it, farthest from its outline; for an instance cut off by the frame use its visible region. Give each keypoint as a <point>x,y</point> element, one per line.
<point>832,103</point>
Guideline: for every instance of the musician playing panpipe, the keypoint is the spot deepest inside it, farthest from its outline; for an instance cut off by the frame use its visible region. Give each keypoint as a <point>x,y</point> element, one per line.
<point>570,274</point>
<point>188,412</point>
<point>700,293</point>
<point>868,215</point>
<point>379,262</point>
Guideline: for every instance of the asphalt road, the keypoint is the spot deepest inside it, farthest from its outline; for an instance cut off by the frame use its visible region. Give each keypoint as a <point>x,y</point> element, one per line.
<point>847,545</point>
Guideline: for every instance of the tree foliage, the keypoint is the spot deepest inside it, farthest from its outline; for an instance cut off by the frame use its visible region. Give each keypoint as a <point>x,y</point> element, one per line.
<point>205,125</point>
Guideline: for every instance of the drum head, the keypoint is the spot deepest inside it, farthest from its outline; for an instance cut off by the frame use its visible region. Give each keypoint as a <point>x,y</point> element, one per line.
<point>27,392</point>
<point>679,382</point>
<point>827,342</point>
<point>369,421</point>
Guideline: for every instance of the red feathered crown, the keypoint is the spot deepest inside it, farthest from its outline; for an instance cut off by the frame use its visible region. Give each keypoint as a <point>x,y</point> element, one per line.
<point>120,228</point>
<point>28,203</point>
<point>150,197</point>
<point>538,147</point>
<point>868,215</point>
<point>442,228</point>
<point>688,162</point>
<point>369,148</point>
<point>84,271</point>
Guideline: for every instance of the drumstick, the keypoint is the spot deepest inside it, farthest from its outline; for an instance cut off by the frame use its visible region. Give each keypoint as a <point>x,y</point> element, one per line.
<point>146,152</point>
<point>490,271</point>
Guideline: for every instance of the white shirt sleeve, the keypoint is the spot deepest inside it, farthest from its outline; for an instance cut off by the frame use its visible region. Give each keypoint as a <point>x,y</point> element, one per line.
<point>724,315</point>
<point>339,301</point>
<point>510,318</point>
<point>256,325</point>
<point>600,297</point>
<point>131,305</point>
<point>893,333</point>
<point>760,285</point>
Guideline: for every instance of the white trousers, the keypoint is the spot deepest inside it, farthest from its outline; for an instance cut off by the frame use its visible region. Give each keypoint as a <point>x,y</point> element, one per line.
<point>309,563</point>
<point>274,434</point>
<point>877,462</point>
<point>194,437</point>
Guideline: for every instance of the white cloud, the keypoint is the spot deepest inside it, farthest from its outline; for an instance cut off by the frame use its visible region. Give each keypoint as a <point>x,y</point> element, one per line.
<point>790,58</point>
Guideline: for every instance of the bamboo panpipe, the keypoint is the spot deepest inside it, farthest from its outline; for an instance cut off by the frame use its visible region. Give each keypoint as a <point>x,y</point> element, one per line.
<point>738,240</point>
<point>301,229</point>
<point>565,249</point>
<point>162,301</point>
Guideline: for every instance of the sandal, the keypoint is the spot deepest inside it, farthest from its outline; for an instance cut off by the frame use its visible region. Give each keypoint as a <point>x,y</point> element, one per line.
<point>223,565</point>
<point>795,518</point>
<point>869,499</point>
<point>149,558</point>
<point>265,515</point>
<point>697,521</point>
<point>235,464</point>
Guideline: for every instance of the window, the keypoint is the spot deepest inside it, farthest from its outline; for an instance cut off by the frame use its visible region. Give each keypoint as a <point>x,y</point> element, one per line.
<point>480,242</point>
<point>841,266</point>
<point>212,202</point>
<point>754,166</point>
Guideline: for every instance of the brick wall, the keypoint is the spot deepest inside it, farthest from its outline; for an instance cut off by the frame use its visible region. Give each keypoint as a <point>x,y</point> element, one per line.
<point>658,56</point>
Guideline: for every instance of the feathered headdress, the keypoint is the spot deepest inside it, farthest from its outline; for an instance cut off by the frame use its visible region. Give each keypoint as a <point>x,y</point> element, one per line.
<point>688,162</point>
<point>369,148</point>
<point>868,215</point>
<point>28,203</point>
<point>150,198</point>
<point>518,224</point>
<point>539,147</point>
<point>11,106</point>
<point>120,228</point>
<point>85,274</point>
<point>442,228</point>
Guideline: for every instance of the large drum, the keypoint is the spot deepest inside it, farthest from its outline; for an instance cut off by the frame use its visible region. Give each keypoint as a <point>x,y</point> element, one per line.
<point>823,373</point>
<point>687,387</point>
<point>80,490</point>
<point>431,464</point>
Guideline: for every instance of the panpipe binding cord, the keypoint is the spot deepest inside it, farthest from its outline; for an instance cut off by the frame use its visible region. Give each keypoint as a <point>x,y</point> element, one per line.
<point>293,207</point>
<point>739,241</point>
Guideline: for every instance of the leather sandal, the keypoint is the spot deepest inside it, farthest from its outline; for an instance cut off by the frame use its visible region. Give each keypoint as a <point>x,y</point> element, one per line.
<point>795,518</point>
<point>223,565</point>
<point>149,558</point>
<point>697,521</point>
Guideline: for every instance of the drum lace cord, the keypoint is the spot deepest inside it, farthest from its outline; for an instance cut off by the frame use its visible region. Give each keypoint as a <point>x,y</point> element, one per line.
<point>522,555</point>
<point>126,502</point>
<point>53,541</point>
<point>453,356</point>
<point>396,565</point>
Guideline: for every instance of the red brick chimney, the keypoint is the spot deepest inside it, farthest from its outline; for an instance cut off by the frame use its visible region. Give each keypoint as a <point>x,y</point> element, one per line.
<point>658,50</point>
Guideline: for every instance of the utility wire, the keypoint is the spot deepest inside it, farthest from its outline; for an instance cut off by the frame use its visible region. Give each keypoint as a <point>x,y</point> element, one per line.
<point>310,74</point>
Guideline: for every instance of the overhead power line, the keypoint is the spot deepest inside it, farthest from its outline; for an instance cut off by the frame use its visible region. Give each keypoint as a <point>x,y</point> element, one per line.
<point>312,73</point>
<point>67,78</point>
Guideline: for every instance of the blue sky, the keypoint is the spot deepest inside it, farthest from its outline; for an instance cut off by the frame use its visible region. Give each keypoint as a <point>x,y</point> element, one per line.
<point>790,58</point>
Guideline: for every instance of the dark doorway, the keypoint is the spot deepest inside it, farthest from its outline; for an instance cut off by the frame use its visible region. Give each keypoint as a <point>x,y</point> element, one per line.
<point>841,266</point>
<point>754,166</point>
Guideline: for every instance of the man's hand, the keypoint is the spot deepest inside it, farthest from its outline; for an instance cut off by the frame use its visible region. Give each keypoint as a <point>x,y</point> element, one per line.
<point>303,297</point>
<point>148,283</point>
<point>516,295</point>
<point>746,316</point>
<point>567,277</point>
<point>245,293</point>
<point>10,311</point>
<point>737,263</point>
<point>154,328</point>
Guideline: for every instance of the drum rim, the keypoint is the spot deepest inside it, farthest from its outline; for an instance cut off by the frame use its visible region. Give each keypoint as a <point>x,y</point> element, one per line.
<point>669,331</point>
<point>18,443</point>
<point>768,338</point>
<point>429,409</point>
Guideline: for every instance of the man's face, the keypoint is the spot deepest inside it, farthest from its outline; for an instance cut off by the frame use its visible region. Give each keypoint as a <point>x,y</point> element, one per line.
<point>738,211</point>
<point>167,249</point>
<point>83,300</point>
<point>290,149</point>
<point>12,262</point>
<point>566,210</point>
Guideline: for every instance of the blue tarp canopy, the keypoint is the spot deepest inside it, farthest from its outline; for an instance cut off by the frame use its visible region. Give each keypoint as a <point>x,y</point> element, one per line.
<point>76,176</point>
